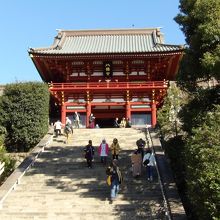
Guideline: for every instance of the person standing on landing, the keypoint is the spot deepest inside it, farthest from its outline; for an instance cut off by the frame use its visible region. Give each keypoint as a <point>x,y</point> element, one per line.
<point>123,123</point>
<point>103,151</point>
<point>116,124</point>
<point>92,121</point>
<point>77,119</point>
<point>115,148</point>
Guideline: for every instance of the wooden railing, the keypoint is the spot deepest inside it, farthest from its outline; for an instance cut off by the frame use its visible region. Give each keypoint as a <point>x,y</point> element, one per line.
<point>108,85</point>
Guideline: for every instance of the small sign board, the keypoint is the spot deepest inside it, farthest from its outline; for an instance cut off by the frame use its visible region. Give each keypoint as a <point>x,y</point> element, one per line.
<point>107,69</point>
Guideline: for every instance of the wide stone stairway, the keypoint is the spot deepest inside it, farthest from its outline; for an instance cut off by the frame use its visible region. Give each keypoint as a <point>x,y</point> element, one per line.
<point>60,186</point>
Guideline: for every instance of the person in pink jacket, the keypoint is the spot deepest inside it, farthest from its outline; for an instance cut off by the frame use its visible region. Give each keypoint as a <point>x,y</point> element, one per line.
<point>103,151</point>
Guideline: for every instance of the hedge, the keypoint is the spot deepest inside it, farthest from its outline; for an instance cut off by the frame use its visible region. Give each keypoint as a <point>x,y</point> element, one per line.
<point>24,112</point>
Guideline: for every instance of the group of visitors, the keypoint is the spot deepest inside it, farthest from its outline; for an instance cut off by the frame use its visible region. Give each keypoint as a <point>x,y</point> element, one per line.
<point>68,126</point>
<point>103,151</point>
<point>142,158</point>
<point>112,171</point>
<point>124,123</point>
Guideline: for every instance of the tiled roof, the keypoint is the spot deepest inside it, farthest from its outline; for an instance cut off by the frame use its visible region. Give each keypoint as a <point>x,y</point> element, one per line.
<point>108,41</point>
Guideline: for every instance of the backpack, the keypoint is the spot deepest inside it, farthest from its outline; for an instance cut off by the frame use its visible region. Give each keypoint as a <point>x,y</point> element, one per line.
<point>146,162</point>
<point>67,128</point>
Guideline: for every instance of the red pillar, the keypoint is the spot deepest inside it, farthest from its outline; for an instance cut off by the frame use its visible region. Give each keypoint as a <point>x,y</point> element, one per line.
<point>88,112</point>
<point>63,113</point>
<point>128,106</point>
<point>128,110</point>
<point>153,114</point>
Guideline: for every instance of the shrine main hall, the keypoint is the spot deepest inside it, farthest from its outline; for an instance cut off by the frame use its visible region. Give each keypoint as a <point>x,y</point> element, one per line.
<point>122,73</point>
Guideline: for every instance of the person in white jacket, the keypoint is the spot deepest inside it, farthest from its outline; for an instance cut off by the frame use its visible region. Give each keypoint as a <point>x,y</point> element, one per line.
<point>149,162</point>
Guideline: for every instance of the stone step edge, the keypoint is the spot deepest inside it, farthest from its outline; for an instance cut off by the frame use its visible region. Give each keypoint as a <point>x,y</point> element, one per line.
<point>14,179</point>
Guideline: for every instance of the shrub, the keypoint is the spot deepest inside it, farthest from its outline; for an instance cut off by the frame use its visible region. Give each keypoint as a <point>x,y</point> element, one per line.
<point>9,163</point>
<point>24,109</point>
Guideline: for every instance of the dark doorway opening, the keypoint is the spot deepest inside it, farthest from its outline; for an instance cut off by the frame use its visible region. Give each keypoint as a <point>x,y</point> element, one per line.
<point>105,122</point>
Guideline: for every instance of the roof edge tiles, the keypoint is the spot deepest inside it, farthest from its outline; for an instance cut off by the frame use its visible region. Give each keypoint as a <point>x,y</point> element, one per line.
<point>107,41</point>
<point>129,31</point>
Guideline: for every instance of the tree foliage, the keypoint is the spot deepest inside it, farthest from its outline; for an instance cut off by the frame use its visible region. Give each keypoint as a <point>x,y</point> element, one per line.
<point>203,167</point>
<point>24,111</point>
<point>199,147</point>
<point>168,115</point>
<point>200,22</point>
<point>200,103</point>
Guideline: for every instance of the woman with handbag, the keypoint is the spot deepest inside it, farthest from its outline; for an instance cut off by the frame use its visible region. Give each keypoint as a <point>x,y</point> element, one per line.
<point>116,179</point>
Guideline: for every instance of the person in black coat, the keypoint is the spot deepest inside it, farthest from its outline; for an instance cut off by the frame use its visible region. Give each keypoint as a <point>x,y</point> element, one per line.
<point>116,124</point>
<point>89,153</point>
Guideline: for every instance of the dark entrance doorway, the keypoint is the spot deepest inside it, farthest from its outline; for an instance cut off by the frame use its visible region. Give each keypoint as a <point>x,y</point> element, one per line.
<point>105,122</point>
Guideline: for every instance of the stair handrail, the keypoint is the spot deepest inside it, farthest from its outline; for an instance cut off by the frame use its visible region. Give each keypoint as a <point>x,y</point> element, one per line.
<point>166,204</point>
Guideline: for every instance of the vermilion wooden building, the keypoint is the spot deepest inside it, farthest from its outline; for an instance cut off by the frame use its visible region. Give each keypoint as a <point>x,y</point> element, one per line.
<point>110,73</point>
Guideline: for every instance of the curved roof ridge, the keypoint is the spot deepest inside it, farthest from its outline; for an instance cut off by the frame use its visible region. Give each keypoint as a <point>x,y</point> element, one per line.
<point>109,31</point>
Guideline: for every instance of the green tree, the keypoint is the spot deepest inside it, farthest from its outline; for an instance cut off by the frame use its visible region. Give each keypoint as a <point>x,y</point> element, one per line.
<point>200,103</point>
<point>24,109</point>
<point>203,167</point>
<point>198,161</point>
<point>168,118</point>
<point>199,21</point>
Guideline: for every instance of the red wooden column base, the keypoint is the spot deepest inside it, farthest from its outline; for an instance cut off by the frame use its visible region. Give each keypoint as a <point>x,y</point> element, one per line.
<point>63,114</point>
<point>128,110</point>
<point>88,112</point>
<point>153,114</point>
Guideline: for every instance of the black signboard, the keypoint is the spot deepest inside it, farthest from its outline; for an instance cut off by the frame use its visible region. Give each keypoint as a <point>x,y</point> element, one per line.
<point>107,71</point>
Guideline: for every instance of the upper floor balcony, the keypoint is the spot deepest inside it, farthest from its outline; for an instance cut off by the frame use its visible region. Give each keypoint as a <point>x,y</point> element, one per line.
<point>108,86</point>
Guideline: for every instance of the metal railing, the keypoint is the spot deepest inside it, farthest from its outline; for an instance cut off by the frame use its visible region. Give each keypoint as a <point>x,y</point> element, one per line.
<point>166,204</point>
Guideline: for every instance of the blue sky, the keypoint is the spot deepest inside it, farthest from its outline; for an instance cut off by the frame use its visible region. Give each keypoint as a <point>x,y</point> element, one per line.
<point>29,23</point>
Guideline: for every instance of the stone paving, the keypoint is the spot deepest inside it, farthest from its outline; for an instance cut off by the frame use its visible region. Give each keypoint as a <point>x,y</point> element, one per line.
<point>60,186</point>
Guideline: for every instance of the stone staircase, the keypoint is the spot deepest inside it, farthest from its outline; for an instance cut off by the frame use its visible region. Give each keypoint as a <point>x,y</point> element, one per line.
<point>60,186</point>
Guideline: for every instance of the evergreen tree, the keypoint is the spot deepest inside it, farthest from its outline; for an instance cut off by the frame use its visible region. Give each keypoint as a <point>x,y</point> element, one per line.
<point>200,157</point>
<point>24,110</point>
<point>203,167</point>
<point>199,21</point>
